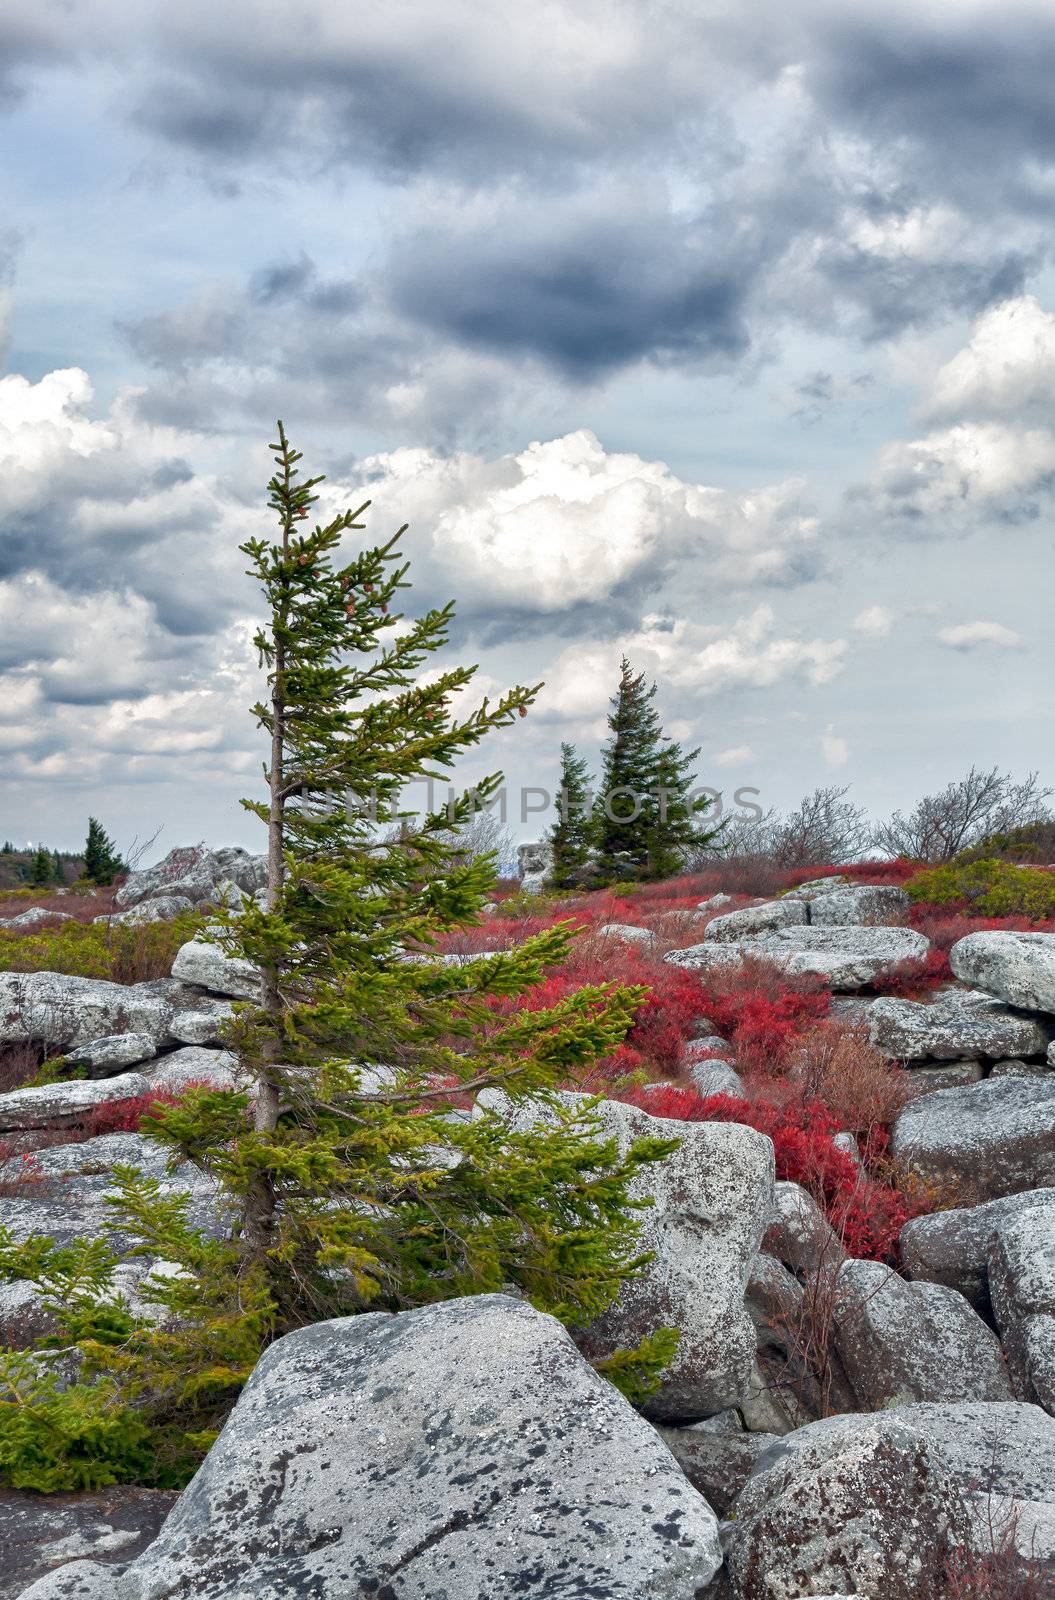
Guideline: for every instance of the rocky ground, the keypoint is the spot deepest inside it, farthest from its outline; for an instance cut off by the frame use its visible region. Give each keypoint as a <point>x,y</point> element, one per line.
<point>850,1411</point>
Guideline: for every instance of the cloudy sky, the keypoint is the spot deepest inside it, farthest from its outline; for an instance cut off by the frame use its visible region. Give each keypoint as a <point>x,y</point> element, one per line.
<point>712,331</point>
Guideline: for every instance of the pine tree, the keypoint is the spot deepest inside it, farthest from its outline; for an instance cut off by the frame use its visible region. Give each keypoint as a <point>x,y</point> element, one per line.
<point>101,860</point>
<point>644,816</point>
<point>571,835</point>
<point>629,774</point>
<point>351,1180</point>
<point>58,876</point>
<point>41,867</point>
<point>673,815</point>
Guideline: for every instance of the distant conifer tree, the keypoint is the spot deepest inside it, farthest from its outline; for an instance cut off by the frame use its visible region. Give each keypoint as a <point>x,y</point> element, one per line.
<point>101,860</point>
<point>572,833</point>
<point>41,868</point>
<point>644,816</point>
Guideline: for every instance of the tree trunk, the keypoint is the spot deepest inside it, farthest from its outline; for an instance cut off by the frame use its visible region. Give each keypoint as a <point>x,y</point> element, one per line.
<point>259,1215</point>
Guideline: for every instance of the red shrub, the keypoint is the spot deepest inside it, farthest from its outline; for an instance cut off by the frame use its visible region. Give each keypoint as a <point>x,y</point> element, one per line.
<point>945,926</point>
<point>126,1116</point>
<point>867,1215</point>
<point>916,977</point>
<point>762,1010</point>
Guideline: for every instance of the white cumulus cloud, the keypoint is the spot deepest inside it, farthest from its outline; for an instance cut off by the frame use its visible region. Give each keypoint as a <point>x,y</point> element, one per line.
<point>973,635</point>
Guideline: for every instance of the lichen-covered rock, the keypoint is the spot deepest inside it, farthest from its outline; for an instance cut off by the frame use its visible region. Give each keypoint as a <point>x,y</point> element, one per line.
<point>193,1065</point>
<point>912,1341</point>
<point>864,905</point>
<point>627,933</point>
<point>992,1138</point>
<point>54,1009</point>
<point>958,1024</point>
<point>1019,967</point>
<point>710,1076</point>
<point>1001,1459</point>
<point>464,1450</point>
<point>711,1202</point>
<point>193,873</point>
<point>717,1464</point>
<point>106,1056</point>
<point>41,1532</point>
<point>206,966</point>
<point>58,1105</point>
<point>800,1235</point>
<point>1021,1261</point>
<point>953,1075</point>
<point>952,1247</point>
<point>858,1504</point>
<point>845,958</point>
<point>737,925</point>
<point>158,909</point>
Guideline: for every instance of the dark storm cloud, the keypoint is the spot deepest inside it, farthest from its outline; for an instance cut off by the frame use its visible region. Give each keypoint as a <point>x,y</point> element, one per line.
<point>585,291</point>
<point>971,93</point>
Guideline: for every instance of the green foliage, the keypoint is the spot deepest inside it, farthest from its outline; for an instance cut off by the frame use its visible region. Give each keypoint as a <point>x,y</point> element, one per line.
<point>123,952</point>
<point>349,1187</point>
<point>991,888</point>
<point>42,869</point>
<point>1033,841</point>
<point>58,1436</point>
<point>101,859</point>
<point>571,835</point>
<point>645,817</point>
<point>637,1373</point>
<point>55,1069</point>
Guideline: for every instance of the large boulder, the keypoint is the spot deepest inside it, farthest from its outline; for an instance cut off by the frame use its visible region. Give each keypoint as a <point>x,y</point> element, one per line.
<point>737,925</point>
<point>193,873</point>
<point>865,905</point>
<point>69,1104</point>
<point>41,1532</point>
<point>854,1504</point>
<point>711,1201</point>
<point>1001,1460</point>
<point>464,1450</point>
<point>1019,967</point>
<point>952,1247</point>
<point>1021,1260</point>
<point>989,1139</point>
<point>912,1341</point>
<point>54,1009</point>
<point>845,958</point>
<point>203,964</point>
<point>106,1056</point>
<point>958,1024</point>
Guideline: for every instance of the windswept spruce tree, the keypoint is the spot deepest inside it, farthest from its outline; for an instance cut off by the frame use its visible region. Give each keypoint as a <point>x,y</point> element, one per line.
<point>350,1180</point>
<point>645,817</point>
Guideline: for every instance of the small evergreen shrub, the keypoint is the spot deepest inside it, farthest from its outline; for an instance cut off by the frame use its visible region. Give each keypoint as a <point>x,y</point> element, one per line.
<point>990,888</point>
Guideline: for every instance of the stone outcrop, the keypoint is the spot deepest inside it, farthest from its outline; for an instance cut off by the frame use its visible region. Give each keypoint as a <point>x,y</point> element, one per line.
<point>1019,967</point>
<point>989,1139</point>
<point>194,874</point>
<point>711,1202</point>
<point>463,1450</point>
<point>846,958</point>
<point>958,1024</point>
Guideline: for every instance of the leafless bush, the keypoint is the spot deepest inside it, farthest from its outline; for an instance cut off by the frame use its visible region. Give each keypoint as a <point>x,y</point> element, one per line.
<point>959,816</point>
<point>824,828</point>
<point>835,1064</point>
